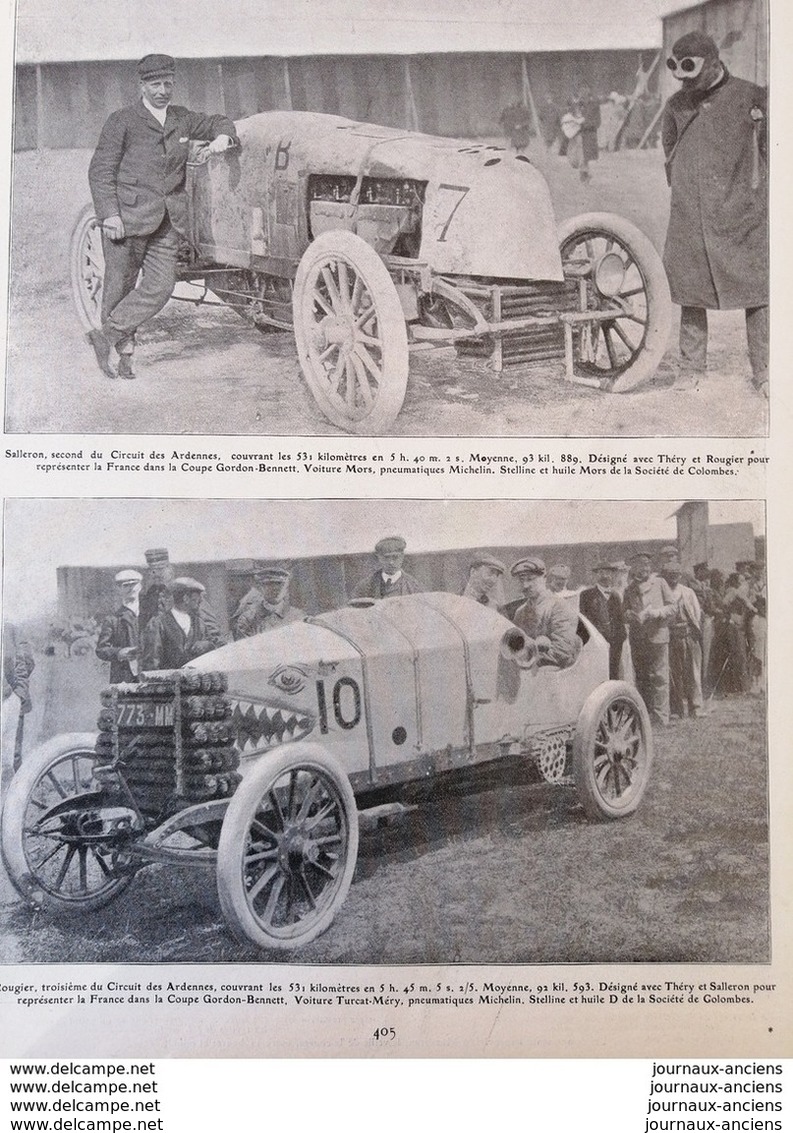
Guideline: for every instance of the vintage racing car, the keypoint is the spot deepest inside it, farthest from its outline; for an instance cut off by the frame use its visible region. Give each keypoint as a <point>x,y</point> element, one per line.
<point>368,240</point>
<point>259,755</point>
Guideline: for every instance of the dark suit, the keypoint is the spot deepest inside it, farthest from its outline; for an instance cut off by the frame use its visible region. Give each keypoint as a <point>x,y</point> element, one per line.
<point>118,631</point>
<point>606,615</point>
<point>138,173</point>
<point>375,586</point>
<point>167,646</point>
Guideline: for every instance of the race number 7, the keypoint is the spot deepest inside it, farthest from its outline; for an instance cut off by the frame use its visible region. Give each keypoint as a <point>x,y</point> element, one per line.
<point>462,192</point>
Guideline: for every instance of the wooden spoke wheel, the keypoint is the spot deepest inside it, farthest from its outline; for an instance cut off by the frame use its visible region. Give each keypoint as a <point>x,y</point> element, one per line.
<point>350,333</point>
<point>612,751</point>
<point>619,272</point>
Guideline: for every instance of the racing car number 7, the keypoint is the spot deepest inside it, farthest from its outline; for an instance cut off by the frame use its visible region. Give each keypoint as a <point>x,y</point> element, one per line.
<point>463,191</point>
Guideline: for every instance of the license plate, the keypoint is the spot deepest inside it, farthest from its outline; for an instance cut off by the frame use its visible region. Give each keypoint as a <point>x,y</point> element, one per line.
<point>144,714</point>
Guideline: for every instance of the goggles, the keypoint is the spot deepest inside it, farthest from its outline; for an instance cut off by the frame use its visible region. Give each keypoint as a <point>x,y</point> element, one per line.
<point>687,68</point>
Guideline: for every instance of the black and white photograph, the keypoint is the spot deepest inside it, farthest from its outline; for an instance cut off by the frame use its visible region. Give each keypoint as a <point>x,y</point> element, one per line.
<point>350,732</point>
<point>507,219</point>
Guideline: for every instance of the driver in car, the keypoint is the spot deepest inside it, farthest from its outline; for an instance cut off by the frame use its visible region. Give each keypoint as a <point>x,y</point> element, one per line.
<point>551,622</point>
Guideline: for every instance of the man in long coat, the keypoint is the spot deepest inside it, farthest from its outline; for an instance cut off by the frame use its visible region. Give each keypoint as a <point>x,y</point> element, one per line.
<point>602,605</point>
<point>714,137</point>
<point>649,608</point>
<point>137,178</point>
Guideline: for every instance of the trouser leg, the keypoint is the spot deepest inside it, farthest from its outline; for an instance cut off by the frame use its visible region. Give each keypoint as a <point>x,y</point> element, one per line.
<point>757,341</point>
<point>651,664</point>
<point>707,641</point>
<point>677,678</point>
<point>694,675</point>
<point>694,337</point>
<point>153,290</point>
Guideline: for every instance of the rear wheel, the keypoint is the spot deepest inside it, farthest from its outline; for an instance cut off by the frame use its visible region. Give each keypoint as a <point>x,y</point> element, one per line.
<point>612,751</point>
<point>350,333</point>
<point>64,832</point>
<point>288,848</point>
<point>619,272</point>
<point>87,268</point>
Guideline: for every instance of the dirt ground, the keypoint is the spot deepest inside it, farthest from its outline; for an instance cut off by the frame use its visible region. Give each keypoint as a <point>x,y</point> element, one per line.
<point>510,872</point>
<point>205,371</point>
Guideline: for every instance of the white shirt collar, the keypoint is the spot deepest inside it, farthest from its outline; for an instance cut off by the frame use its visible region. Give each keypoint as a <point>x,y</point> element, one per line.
<point>134,605</point>
<point>158,114</point>
<point>182,619</point>
<point>391,579</point>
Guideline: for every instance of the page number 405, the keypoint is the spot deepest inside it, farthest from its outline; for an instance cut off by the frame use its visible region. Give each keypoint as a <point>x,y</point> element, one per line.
<point>384,1034</point>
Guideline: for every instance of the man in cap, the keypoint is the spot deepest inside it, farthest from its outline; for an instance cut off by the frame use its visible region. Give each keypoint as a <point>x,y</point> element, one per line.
<point>119,634</point>
<point>547,619</point>
<point>389,580</point>
<point>177,636</point>
<point>602,605</point>
<point>485,573</point>
<point>649,607</point>
<point>137,177</point>
<point>266,605</point>
<point>156,598</point>
<point>685,645</point>
<point>715,140</point>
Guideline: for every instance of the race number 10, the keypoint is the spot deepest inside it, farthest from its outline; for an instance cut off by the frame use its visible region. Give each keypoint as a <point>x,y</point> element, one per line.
<point>345,701</point>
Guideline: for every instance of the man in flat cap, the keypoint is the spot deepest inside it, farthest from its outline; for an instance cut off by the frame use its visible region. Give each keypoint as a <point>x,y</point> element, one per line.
<point>266,605</point>
<point>714,136</point>
<point>137,177</point>
<point>550,621</point>
<point>119,634</point>
<point>649,608</point>
<point>389,580</point>
<point>485,574</point>
<point>177,636</point>
<point>601,604</point>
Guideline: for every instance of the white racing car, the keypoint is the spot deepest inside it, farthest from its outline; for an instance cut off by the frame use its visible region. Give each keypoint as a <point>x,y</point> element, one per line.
<point>368,240</point>
<point>259,755</point>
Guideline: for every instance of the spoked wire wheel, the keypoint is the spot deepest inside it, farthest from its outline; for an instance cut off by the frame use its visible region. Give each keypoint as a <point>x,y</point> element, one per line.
<point>288,848</point>
<point>87,268</point>
<point>63,834</point>
<point>612,751</point>
<point>619,272</point>
<point>350,333</point>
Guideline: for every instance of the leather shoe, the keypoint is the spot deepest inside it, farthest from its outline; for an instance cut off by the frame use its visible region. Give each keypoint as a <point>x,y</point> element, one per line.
<point>125,369</point>
<point>102,347</point>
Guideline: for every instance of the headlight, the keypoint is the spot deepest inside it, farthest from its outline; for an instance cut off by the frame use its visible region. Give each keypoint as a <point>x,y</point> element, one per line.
<point>610,274</point>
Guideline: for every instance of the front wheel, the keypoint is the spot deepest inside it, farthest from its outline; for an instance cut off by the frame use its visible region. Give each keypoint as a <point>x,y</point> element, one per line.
<point>350,333</point>
<point>288,848</point>
<point>87,268</point>
<point>64,832</point>
<point>620,275</point>
<point>612,751</point>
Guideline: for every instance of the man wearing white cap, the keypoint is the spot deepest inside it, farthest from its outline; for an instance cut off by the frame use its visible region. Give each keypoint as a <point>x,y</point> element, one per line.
<point>177,636</point>
<point>389,580</point>
<point>118,640</point>
<point>266,605</point>
<point>548,620</point>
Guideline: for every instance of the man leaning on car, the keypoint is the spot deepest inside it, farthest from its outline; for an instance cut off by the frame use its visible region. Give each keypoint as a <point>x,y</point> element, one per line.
<point>137,177</point>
